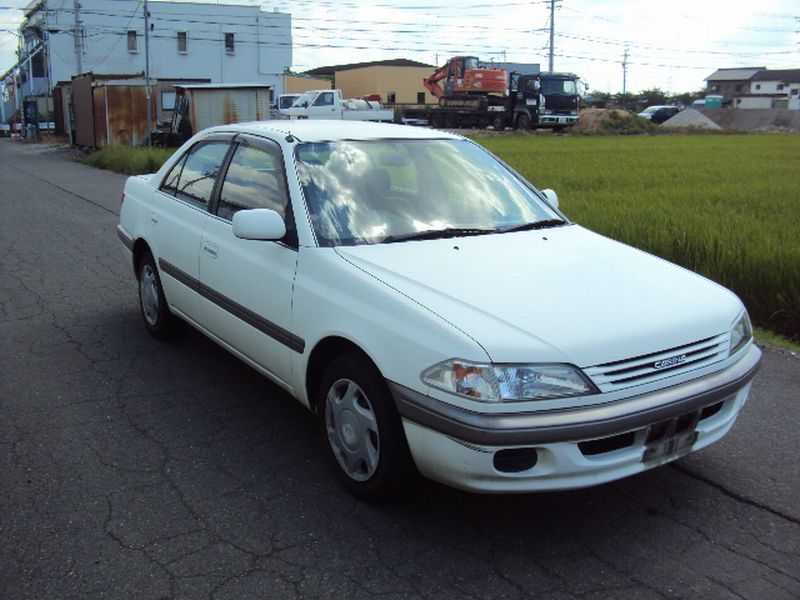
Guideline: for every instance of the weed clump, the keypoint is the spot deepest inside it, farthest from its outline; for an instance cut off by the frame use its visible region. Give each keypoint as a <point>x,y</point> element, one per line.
<point>128,160</point>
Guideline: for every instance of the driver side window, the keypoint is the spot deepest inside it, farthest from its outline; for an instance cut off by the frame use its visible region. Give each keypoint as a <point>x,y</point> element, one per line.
<point>254,180</point>
<point>324,99</point>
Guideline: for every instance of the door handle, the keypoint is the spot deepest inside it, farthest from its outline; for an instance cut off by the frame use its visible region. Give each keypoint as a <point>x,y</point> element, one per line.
<point>154,218</point>
<point>210,249</point>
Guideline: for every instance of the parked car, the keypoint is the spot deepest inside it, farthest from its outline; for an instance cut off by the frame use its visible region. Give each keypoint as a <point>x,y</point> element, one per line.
<point>436,311</point>
<point>284,102</point>
<point>659,114</point>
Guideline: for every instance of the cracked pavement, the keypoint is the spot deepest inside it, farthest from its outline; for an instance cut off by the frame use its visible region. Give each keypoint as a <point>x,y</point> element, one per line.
<point>131,468</point>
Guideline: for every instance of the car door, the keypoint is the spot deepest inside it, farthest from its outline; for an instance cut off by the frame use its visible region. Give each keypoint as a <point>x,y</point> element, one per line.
<point>250,282</point>
<point>177,220</point>
<point>323,106</point>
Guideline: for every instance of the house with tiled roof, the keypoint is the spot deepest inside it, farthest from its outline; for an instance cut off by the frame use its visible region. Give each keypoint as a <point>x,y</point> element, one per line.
<point>730,82</point>
<point>756,87</point>
<point>772,88</point>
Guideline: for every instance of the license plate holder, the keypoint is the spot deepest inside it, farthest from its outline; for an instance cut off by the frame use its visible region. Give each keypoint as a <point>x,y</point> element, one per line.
<point>669,448</point>
<point>670,439</point>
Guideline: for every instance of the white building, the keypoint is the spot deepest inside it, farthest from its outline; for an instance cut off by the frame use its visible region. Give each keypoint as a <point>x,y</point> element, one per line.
<point>222,43</point>
<point>772,88</point>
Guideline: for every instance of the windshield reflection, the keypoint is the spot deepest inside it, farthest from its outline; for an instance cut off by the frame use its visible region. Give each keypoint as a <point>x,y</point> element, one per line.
<point>366,192</point>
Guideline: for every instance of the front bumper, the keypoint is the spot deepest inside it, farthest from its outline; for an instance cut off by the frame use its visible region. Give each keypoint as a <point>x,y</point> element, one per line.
<point>460,447</point>
<point>558,119</point>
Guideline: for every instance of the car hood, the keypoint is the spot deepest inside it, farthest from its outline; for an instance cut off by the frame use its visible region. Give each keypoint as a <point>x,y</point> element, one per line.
<point>563,294</point>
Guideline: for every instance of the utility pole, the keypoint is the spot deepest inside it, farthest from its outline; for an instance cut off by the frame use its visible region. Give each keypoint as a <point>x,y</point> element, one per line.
<point>552,30</point>
<point>147,72</point>
<point>77,33</point>
<point>624,75</point>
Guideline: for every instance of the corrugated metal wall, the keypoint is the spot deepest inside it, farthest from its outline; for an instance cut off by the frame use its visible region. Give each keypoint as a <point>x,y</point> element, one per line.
<point>109,114</point>
<point>58,111</point>
<point>122,119</point>
<point>83,109</point>
<point>209,107</point>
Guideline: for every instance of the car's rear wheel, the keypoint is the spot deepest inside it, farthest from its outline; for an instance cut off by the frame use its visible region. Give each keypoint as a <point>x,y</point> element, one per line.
<point>362,429</point>
<point>158,320</point>
<point>524,122</point>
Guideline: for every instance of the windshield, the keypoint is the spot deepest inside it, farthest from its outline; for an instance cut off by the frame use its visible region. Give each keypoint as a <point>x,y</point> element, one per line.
<point>305,99</point>
<point>388,190</point>
<point>564,87</point>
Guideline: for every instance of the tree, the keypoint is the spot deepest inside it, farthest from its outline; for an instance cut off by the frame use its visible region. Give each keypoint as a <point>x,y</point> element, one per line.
<point>626,101</point>
<point>686,98</point>
<point>652,97</point>
<point>597,99</point>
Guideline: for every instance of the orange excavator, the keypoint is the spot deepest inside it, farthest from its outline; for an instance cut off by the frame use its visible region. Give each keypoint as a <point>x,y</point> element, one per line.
<point>463,75</point>
<point>472,96</point>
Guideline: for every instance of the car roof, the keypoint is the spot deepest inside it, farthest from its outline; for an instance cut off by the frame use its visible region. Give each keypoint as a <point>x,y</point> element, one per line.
<point>320,130</point>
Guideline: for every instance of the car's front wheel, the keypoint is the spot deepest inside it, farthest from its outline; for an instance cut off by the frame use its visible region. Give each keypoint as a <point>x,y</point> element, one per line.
<point>156,315</point>
<point>363,431</point>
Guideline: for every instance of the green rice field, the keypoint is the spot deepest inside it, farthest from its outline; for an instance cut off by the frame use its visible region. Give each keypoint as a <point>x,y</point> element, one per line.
<point>726,206</point>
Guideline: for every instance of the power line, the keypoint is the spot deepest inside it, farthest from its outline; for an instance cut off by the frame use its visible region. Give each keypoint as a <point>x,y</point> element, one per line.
<point>418,31</point>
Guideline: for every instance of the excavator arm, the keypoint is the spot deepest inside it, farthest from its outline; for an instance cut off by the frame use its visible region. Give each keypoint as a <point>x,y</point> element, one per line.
<point>462,75</point>
<point>432,83</point>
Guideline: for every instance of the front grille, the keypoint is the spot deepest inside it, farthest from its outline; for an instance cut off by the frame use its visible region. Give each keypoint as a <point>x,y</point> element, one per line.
<point>621,374</point>
<point>607,444</point>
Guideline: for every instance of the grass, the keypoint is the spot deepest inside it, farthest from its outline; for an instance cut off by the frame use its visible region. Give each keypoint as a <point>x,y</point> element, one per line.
<point>764,336</point>
<point>128,159</point>
<point>725,206</point>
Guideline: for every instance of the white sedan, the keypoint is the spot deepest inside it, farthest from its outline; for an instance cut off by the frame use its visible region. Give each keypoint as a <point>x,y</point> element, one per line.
<point>436,311</point>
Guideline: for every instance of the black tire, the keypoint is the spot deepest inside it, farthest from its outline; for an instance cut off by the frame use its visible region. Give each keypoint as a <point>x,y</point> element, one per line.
<point>158,320</point>
<point>499,123</point>
<point>362,430</point>
<point>524,122</point>
<point>437,121</point>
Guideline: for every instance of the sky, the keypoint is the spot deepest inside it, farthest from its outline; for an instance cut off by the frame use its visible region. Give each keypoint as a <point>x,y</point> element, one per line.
<point>673,45</point>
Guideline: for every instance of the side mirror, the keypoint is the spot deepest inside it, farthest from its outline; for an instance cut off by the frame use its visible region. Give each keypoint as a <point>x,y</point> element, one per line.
<point>258,224</point>
<point>550,196</point>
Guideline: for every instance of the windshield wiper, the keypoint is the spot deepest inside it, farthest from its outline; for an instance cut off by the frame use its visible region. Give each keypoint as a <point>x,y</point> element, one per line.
<point>433,234</point>
<point>543,224</point>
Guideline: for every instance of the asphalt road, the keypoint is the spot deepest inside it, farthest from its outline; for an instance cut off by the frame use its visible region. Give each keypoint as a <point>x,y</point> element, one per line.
<point>136,469</point>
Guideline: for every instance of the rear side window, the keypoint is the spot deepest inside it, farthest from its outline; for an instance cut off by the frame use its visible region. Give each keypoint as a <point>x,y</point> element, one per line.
<point>200,169</point>
<point>254,180</point>
<point>170,185</point>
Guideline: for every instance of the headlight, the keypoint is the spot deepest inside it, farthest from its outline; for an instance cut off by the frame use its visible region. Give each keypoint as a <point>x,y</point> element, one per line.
<point>741,333</point>
<point>508,382</point>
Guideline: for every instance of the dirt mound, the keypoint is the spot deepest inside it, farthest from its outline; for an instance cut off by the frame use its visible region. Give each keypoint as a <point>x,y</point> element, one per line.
<point>611,121</point>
